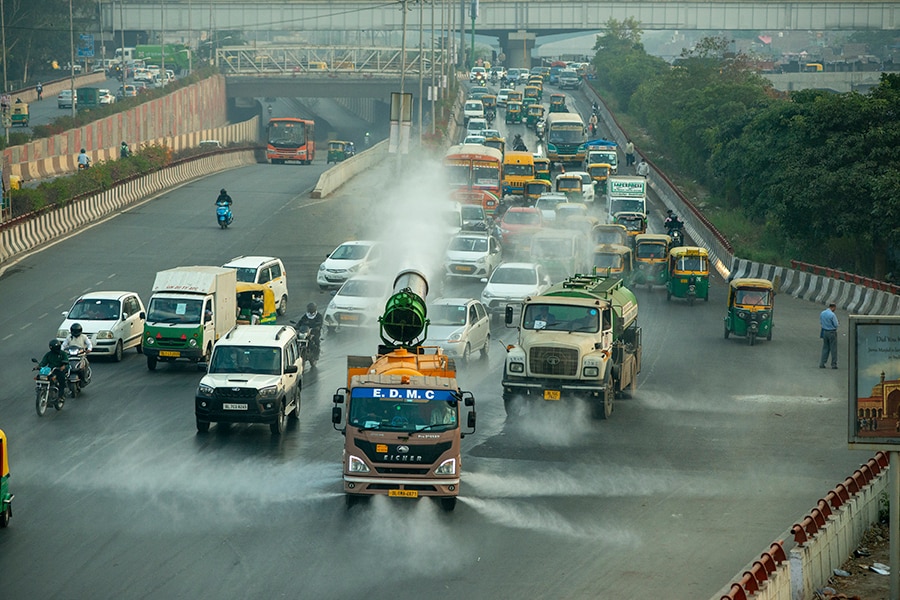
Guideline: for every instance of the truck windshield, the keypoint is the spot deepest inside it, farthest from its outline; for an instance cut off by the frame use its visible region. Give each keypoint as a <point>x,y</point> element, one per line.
<point>174,310</point>
<point>260,360</point>
<point>626,205</point>
<point>403,415</point>
<point>558,317</point>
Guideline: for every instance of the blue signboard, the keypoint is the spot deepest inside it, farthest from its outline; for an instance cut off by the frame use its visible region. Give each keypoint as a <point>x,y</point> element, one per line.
<point>403,394</point>
<point>85,47</point>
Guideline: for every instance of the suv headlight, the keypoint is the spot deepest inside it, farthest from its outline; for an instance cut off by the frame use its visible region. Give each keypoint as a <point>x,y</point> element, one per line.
<point>268,392</point>
<point>205,390</point>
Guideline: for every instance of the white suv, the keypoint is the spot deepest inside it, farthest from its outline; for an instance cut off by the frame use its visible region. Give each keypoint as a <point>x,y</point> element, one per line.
<point>254,376</point>
<point>264,270</point>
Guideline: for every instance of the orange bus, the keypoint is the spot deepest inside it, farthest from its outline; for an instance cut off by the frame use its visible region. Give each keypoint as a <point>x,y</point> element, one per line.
<point>288,138</point>
<point>474,174</point>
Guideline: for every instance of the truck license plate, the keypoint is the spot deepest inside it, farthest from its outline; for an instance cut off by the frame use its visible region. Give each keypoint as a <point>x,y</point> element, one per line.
<point>170,353</point>
<point>551,395</point>
<point>232,406</point>
<point>403,493</point>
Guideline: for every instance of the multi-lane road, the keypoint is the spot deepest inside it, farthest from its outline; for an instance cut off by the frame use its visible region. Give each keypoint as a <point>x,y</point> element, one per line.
<point>722,448</point>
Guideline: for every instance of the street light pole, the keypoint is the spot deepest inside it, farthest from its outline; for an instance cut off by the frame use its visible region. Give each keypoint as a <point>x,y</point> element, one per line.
<point>421,66</point>
<point>72,57</point>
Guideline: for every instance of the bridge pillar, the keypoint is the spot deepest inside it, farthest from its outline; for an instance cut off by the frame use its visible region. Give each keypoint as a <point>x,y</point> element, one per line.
<point>517,46</point>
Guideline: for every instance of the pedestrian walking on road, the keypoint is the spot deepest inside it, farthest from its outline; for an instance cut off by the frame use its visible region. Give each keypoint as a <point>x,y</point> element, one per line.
<point>829,322</point>
<point>629,153</point>
<point>40,91</point>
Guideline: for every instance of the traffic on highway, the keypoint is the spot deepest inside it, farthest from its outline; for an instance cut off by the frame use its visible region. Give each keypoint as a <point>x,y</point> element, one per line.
<point>680,453</point>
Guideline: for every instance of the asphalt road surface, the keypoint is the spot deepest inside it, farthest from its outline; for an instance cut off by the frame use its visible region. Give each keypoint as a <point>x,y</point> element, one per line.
<point>722,448</point>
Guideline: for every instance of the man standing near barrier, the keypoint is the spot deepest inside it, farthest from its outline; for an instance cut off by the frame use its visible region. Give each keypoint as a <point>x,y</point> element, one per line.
<point>829,322</point>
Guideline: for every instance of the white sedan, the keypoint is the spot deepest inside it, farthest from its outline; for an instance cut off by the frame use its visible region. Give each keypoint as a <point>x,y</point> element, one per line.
<point>114,321</point>
<point>460,326</point>
<point>472,254</point>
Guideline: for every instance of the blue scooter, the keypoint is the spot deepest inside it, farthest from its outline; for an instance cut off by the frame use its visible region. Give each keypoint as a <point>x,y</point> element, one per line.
<point>223,214</point>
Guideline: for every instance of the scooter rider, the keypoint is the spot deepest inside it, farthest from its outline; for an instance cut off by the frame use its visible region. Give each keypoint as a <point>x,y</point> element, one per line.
<point>519,144</point>
<point>56,359</point>
<point>224,199</point>
<point>84,161</point>
<point>78,339</point>
<point>672,222</point>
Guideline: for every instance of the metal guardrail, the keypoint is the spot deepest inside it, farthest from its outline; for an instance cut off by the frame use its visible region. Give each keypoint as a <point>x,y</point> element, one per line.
<point>307,60</point>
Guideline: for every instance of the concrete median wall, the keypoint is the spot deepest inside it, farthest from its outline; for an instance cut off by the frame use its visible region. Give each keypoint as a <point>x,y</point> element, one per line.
<point>338,175</point>
<point>28,232</point>
<point>199,108</point>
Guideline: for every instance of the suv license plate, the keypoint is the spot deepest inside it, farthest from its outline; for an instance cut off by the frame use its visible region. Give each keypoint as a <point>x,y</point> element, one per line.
<point>551,395</point>
<point>232,406</point>
<point>403,493</point>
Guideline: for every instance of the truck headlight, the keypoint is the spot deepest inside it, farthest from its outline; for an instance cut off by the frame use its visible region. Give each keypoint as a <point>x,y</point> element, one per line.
<point>356,465</point>
<point>149,341</point>
<point>268,392</point>
<point>516,367</point>
<point>205,390</point>
<point>105,335</point>
<point>590,372</point>
<point>192,342</point>
<point>448,467</point>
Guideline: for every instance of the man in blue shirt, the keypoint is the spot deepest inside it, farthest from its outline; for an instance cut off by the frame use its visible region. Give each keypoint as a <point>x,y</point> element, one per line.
<point>829,322</point>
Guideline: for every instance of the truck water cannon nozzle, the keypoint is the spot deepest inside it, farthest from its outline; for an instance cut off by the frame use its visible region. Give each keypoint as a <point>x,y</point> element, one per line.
<point>404,323</point>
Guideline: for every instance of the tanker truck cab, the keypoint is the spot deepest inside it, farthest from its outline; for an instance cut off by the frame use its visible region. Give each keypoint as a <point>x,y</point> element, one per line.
<point>402,432</point>
<point>191,307</point>
<point>579,340</point>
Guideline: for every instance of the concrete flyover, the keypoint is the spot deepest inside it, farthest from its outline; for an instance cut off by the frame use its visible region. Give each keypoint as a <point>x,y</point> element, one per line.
<point>311,86</point>
<point>499,15</point>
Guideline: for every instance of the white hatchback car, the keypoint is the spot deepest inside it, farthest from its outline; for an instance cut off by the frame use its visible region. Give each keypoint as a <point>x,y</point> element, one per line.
<point>547,203</point>
<point>114,321</point>
<point>106,97</point>
<point>472,254</point>
<point>511,283</point>
<point>503,96</point>
<point>264,270</point>
<point>347,260</point>
<point>460,326</point>
<point>358,303</point>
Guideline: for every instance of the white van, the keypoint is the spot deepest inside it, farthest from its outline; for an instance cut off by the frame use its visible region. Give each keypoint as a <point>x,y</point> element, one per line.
<point>473,109</point>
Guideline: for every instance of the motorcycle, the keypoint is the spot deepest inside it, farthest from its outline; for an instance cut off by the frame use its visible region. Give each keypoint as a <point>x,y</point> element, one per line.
<point>519,144</point>
<point>224,216</point>
<point>310,343</point>
<point>677,236</point>
<point>46,390</point>
<point>539,129</point>
<point>79,370</point>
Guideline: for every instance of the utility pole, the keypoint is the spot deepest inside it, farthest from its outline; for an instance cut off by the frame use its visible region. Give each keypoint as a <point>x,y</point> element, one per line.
<point>421,66</point>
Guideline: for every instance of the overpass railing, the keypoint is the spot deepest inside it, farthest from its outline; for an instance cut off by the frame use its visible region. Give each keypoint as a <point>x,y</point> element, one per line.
<point>292,60</point>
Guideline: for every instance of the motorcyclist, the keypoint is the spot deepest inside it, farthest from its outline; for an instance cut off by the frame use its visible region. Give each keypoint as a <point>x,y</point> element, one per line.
<point>84,161</point>
<point>39,88</point>
<point>519,144</point>
<point>224,199</point>
<point>368,139</point>
<point>124,150</point>
<point>672,222</point>
<point>595,108</point>
<point>78,339</point>
<point>57,360</point>
<point>314,321</point>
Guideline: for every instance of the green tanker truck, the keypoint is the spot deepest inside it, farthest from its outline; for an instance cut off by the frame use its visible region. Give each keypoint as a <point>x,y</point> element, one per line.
<point>578,340</point>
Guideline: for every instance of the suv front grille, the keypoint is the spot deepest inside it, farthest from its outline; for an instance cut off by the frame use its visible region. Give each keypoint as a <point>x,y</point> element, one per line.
<point>553,361</point>
<point>234,393</point>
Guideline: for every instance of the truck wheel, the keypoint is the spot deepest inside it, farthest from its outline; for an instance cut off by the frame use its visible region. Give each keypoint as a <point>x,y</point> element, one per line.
<point>513,406</point>
<point>604,408</point>
<point>151,363</point>
<point>448,504</point>
<point>277,426</point>
<point>202,426</point>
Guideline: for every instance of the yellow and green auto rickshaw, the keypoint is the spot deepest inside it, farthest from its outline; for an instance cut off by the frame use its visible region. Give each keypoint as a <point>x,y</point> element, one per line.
<point>651,251</point>
<point>339,150</point>
<point>256,304</point>
<point>751,306</point>
<point>558,103</point>
<point>526,103</point>
<point>19,114</point>
<point>489,101</point>
<point>542,169</point>
<point>514,96</point>
<point>534,188</point>
<point>535,92</point>
<point>688,274</point>
<point>535,112</point>
<point>513,112</point>
<point>571,185</point>
<point>634,222</point>
<point>614,260</point>
<point>599,172</point>
<point>535,80</point>
<point>496,142</point>
<point>609,233</point>
<point>5,497</point>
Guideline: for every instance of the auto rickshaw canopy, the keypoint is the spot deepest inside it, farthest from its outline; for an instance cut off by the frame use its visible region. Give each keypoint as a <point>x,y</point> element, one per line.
<point>612,258</point>
<point>489,100</point>
<point>751,293</point>
<point>689,259</point>
<point>599,171</point>
<point>337,145</point>
<point>542,169</point>
<point>514,107</point>
<point>496,142</point>
<point>535,110</point>
<point>514,96</point>
<point>569,182</point>
<point>245,292</point>
<point>651,247</point>
<point>634,222</point>
<point>609,233</point>
<point>557,98</point>
<point>4,459</point>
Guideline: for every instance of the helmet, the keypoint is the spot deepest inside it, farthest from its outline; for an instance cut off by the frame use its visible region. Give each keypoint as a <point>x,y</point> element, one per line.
<point>82,150</point>
<point>123,143</point>
<point>311,307</point>
<point>55,344</point>
<point>222,191</point>
<point>75,329</point>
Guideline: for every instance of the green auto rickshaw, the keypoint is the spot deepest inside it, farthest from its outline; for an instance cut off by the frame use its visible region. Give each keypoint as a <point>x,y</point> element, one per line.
<point>256,304</point>
<point>535,92</point>
<point>688,274</point>
<point>513,112</point>
<point>599,172</point>
<point>614,260</point>
<point>651,251</point>
<point>558,103</point>
<point>542,168</point>
<point>634,222</point>
<point>5,497</point>
<point>19,114</point>
<point>609,233</point>
<point>751,306</point>
<point>339,150</point>
<point>514,96</point>
<point>533,189</point>
<point>535,112</point>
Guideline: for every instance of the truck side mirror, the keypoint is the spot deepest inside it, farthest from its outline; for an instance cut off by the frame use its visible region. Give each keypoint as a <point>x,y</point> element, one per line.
<point>509,314</point>
<point>336,415</point>
<point>338,398</point>
<point>471,420</point>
